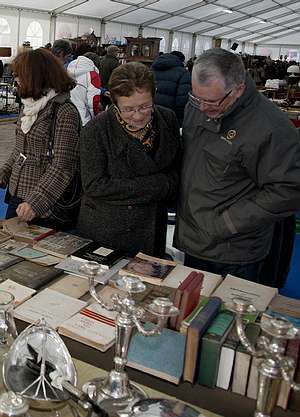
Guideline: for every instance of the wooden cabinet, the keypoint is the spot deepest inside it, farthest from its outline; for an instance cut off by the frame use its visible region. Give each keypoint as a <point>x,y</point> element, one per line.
<point>142,49</point>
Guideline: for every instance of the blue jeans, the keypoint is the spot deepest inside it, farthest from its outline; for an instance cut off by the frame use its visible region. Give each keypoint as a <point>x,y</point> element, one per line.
<point>250,272</point>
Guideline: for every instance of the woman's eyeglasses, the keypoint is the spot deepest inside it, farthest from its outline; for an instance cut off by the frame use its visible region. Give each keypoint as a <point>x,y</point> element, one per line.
<point>197,101</point>
<point>130,111</point>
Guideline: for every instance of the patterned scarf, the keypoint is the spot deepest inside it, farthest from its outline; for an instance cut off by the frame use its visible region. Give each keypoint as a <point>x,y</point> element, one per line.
<point>145,135</point>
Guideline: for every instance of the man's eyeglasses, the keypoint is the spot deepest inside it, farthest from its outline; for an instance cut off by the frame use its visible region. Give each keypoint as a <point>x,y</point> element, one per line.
<point>197,101</point>
<point>130,111</point>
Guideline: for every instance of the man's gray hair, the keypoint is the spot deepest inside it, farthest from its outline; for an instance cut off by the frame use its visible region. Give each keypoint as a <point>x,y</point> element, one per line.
<point>218,63</point>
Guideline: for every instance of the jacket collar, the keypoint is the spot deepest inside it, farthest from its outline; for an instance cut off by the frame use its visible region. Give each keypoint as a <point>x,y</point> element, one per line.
<point>122,141</point>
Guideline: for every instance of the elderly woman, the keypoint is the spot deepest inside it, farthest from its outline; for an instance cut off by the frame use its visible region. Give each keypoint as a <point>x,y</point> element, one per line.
<point>46,155</point>
<point>130,158</point>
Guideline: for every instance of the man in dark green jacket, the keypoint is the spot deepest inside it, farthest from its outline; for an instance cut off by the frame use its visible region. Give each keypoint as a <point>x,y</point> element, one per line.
<point>108,63</point>
<point>241,170</point>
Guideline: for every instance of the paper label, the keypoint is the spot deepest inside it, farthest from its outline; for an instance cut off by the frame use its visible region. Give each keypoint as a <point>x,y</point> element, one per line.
<point>103,251</point>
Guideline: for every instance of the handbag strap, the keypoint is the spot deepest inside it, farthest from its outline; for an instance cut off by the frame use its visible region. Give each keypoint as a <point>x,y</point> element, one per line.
<point>52,131</point>
<point>52,127</point>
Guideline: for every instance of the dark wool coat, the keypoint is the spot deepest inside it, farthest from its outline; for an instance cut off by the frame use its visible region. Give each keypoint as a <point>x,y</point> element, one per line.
<point>126,191</point>
<point>173,83</point>
<point>107,64</point>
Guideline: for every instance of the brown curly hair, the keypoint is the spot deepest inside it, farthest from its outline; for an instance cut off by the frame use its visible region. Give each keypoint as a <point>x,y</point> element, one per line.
<point>39,71</point>
<point>128,78</point>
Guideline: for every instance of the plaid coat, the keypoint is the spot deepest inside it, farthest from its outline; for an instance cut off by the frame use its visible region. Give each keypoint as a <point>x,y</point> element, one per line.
<point>37,180</point>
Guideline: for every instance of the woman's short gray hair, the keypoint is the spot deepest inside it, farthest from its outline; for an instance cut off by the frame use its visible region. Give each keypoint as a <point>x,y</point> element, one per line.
<point>219,63</point>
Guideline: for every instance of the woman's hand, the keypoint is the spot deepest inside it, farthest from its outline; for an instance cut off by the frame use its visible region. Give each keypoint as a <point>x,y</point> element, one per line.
<point>25,212</point>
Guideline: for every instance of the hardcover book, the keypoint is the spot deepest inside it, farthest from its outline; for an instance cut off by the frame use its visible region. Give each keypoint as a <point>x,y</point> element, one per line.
<point>148,268</point>
<point>233,287</point>
<point>154,291</point>
<point>7,260</point>
<point>196,330</point>
<point>243,361</point>
<point>61,244</point>
<point>178,296</point>
<point>180,272</point>
<point>51,305</point>
<point>35,256</point>
<point>253,379</point>
<point>24,232</point>
<point>93,326</point>
<point>11,245</point>
<point>4,236</point>
<point>286,305</point>
<point>185,324</point>
<point>20,292</point>
<point>29,274</point>
<point>71,285</point>
<point>292,351</point>
<point>227,357</point>
<point>211,345</point>
<point>106,257</point>
<point>161,356</point>
<point>190,298</point>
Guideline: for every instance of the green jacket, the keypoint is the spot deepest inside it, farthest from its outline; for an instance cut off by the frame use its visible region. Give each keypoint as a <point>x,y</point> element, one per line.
<point>107,64</point>
<point>240,174</point>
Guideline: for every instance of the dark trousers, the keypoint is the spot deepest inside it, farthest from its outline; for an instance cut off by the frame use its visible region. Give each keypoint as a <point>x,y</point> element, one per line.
<point>250,272</point>
<point>13,203</point>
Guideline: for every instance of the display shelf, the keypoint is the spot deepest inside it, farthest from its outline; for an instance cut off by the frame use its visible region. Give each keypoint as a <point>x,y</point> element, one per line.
<point>143,50</point>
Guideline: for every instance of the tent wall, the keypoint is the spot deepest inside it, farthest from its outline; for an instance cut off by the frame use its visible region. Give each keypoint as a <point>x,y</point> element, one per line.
<point>66,26</point>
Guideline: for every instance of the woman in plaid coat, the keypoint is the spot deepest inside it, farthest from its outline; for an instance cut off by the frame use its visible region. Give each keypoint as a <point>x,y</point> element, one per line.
<point>35,180</point>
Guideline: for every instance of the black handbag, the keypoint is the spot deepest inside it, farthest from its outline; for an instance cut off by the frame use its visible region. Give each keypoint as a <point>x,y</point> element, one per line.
<point>65,210</point>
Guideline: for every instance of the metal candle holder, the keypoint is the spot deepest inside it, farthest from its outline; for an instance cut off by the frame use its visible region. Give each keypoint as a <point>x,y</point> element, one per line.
<point>273,366</point>
<point>115,391</point>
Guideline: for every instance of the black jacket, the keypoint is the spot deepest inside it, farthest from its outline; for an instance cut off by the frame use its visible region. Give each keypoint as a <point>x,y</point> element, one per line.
<point>126,191</point>
<point>240,174</point>
<point>173,83</point>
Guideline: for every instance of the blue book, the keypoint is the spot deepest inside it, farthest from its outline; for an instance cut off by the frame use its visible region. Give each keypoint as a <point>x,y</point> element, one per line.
<point>161,356</point>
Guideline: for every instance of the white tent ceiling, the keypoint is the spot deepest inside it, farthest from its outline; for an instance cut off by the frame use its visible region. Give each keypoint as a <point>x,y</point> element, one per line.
<point>256,21</point>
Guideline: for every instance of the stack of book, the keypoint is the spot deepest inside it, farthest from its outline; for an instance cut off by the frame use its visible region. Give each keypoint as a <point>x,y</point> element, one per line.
<point>201,346</point>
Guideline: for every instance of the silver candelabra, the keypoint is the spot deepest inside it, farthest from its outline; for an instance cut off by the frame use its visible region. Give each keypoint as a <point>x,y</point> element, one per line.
<point>273,366</point>
<point>115,392</point>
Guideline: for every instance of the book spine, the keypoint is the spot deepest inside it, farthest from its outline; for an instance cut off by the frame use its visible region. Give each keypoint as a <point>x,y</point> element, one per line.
<point>189,299</point>
<point>211,347</point>
<point>197,328</point>
<point>43,235</point>
<point>178,297</point>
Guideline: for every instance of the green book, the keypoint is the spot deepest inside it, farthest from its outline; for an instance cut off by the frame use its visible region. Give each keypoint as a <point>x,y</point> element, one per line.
<point>211,345</point>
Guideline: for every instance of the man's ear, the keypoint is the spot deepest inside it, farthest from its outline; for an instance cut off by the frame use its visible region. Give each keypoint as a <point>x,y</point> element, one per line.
<point>240,89</point>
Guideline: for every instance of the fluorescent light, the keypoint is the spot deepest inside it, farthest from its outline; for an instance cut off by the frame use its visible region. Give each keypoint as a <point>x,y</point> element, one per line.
<point>226,10</point>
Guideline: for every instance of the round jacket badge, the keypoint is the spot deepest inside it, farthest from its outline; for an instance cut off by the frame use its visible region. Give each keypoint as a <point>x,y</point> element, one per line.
<point>231,134</point>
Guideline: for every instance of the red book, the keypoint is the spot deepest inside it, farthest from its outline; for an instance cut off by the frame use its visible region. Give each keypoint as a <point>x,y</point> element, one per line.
<point>178,295</point>
<point>190,298</point>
